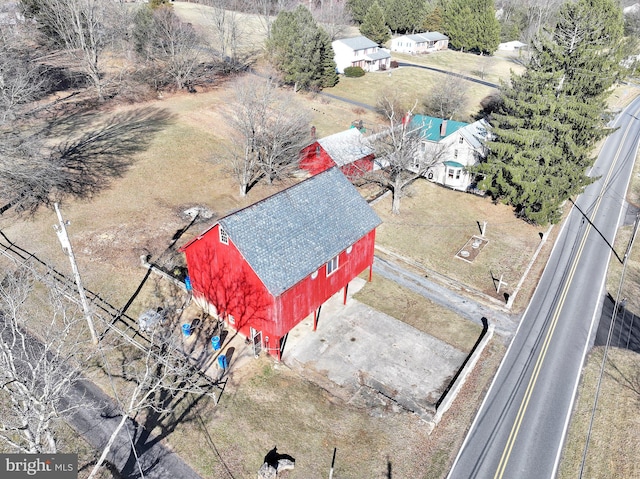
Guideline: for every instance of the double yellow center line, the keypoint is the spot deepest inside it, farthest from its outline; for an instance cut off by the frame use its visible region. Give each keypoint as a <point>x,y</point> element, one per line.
<point>506,453</point>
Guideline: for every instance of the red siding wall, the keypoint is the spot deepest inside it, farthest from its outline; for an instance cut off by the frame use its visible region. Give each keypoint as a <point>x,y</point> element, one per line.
<point>299,301</point>
<point>314,159</point>
<point>358,167</point>
<point>219,273</point>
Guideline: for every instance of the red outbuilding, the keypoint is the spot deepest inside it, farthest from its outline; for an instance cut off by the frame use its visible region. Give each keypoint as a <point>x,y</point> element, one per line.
<point>348,150</point>
<point>268,266</point>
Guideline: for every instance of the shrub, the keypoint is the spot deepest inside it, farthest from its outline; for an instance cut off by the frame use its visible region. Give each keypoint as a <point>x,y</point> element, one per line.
<point>353,72</point>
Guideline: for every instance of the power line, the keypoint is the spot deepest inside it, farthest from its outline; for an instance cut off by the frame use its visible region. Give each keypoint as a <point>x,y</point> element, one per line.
<point>614,315</point>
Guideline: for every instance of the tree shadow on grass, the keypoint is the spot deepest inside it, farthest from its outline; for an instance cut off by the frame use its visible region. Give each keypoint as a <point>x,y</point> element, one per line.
<point>83,165</point>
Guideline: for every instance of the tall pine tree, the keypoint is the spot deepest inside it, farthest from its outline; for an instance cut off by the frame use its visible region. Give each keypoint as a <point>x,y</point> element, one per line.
<point>553,114</point>
<point>471,25</point>
<point>302,50</point>
<point>374,26</point>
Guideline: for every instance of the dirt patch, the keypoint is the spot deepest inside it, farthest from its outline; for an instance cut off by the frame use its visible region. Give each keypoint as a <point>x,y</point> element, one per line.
<point>472,248</point>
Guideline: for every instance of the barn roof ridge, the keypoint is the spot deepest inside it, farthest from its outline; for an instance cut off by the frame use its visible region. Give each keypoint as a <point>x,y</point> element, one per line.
<point>290,234</point>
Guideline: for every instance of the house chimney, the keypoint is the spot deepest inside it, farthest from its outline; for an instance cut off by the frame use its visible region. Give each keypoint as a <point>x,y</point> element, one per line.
<point>443,128</point>
<point>313,132</point>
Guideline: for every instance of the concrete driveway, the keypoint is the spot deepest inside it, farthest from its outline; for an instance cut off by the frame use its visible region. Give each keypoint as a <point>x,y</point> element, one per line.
<point>357,351</point>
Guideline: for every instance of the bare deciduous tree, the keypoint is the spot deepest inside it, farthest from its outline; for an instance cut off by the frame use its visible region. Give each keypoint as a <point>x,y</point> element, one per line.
<point>155,376</point>
<point>400,149</point>
<point>37,367</point>
<point>21,80</point>
<point>229,32</point>
<point>174,45</point>
<point>271,128</point>
<point>333,16</point>
<point>82,29</point>
<point>447,98</point>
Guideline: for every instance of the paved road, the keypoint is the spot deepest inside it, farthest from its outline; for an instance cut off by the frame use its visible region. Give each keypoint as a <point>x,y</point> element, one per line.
<point>520,428</point>
<point>94,415</point>
<point>96,421</point>
<point>464,77</point>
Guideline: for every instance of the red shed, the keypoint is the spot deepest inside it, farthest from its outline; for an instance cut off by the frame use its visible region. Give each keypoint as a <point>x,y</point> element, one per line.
<point>266,267</point>
<point>348,150</point>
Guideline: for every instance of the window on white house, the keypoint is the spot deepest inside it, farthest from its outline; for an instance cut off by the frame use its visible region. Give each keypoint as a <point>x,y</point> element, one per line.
<point>450,172</point>
<point>332,265</point>
<point>455,153</point>
<point>458,172</point>
<point>224,237</point>
<point>461,140</point>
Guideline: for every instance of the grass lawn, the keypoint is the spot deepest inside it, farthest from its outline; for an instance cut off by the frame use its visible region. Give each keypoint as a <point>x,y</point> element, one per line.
<point>435,222</point>
<point>614,443</point>
<point>419,312</point>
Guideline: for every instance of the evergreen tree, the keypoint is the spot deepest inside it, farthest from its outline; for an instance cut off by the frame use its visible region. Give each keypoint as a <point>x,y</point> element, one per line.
<point>458,24</point>
<point>553,114</point>
<point>301,50</point>
<point>403,16</point>
<point>471,25</point>
<point>488,28</point>
<point>432,21</point>
<point>358,9</point>
<point>328,71</point>
<point>374,26</point>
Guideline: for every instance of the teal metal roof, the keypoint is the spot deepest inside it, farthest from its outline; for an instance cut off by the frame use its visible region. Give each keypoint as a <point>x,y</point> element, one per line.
<point>454,164</point>
<point>431,126</point>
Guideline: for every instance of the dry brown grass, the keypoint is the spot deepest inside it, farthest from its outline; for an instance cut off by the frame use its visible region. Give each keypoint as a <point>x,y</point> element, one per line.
<point>419,312</point>
<point>614,443</point>
<point>435,222</point>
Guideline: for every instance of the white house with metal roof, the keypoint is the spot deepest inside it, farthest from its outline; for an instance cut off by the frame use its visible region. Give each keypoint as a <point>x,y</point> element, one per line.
<point>457,147</point>
<point>360,52</point>
<point>417,43</point>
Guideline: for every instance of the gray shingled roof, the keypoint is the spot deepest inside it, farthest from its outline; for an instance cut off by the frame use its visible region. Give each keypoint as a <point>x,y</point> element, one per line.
<point>379,55</point>
<point>289,235</point>
<point>346,147</point>
<point>358,43</point>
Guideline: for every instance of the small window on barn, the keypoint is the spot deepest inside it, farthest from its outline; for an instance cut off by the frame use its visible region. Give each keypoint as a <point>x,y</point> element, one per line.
<point>224,237</point>
<point>231,319</point>
<point>332,266</point>
<point>349,249</point>
<point>314,275</point>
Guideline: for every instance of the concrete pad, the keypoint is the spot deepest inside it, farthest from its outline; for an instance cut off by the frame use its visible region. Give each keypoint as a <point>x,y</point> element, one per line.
<point>356,346</point>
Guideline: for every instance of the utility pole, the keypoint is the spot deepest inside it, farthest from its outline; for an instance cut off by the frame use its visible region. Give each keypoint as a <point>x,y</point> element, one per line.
<point>61,231</point>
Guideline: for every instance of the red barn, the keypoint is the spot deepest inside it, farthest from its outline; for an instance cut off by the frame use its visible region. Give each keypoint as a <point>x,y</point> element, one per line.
<point>348,150</point>
<point>266,267</point>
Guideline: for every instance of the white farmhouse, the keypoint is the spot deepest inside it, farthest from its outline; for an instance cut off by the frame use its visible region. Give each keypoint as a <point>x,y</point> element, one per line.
<point>360,52</point>
<point>457,145</point>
